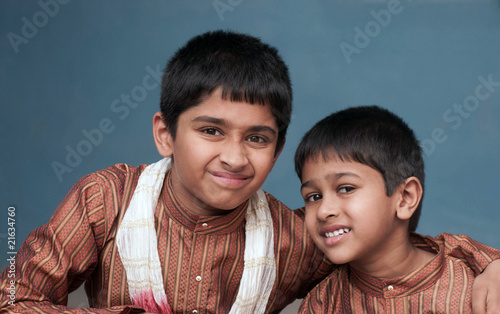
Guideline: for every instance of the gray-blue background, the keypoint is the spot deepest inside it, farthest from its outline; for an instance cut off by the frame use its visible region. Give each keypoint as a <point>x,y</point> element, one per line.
<point>67,74</point>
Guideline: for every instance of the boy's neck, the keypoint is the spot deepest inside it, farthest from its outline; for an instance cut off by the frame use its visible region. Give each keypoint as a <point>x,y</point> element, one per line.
<point>401,260</point>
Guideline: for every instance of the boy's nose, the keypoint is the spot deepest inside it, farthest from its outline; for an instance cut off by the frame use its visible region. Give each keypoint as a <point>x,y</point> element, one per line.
<point>234,156</point>
<point>327,210</point>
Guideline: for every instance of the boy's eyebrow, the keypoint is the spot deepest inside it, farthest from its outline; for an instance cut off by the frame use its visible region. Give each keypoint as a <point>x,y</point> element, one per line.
<point>338,175</point>
<point>307,184</point>
<point>330,177</point>
<point>262,128</point>
<point>213,120</point>
<point>224,122</point>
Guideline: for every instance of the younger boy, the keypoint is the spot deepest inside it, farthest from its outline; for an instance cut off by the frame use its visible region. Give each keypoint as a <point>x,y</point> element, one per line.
<point>362,175</point>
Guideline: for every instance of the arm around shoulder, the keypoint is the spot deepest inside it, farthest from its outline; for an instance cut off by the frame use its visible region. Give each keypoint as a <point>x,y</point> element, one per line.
<point>485,262</point>
<point>476,255</point>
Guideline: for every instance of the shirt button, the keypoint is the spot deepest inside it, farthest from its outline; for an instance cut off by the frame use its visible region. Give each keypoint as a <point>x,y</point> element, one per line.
<point>195,311</point>
<point>390,288</point>
<point>198,278</point>
<point>204,224</point>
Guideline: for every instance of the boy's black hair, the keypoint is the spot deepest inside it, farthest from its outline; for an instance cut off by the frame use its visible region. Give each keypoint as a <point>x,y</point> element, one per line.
<point>245,68</point>
<point>369,135</point>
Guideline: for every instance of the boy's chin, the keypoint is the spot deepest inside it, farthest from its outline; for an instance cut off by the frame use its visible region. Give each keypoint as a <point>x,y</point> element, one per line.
<point>225,207</point>
<point>337,258</point>
<point>230,201</point>
<point>222,207</point>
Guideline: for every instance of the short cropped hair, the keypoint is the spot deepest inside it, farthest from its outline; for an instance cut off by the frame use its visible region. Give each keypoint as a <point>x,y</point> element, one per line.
<point>369,135</point>
<point>245,68</point>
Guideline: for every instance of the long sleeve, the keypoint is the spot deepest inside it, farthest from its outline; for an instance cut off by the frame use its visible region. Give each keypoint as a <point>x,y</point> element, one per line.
<point>58,257</point>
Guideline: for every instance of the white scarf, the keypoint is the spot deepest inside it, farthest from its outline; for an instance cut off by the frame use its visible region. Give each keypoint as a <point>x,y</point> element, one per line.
<point>138,248</point>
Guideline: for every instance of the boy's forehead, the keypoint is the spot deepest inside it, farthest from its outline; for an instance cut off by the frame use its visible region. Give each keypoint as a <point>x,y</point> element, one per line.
<point>323,160</point>
<point>215,108</point>
<point>332,169</point>
<point>324,156</point>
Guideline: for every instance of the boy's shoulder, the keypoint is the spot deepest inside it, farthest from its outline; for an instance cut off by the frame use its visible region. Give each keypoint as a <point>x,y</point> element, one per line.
<point>327,295</point>
<point>121,170</point>
<point>449,250</point>
<point>116,175</point>
<point>111,183</point>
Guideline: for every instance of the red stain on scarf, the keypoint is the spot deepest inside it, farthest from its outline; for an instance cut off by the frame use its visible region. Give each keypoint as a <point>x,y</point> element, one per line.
<point>145,299</point>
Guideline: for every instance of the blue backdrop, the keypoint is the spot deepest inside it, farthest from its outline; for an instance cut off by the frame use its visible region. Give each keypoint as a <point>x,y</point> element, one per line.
<point>79,87</point>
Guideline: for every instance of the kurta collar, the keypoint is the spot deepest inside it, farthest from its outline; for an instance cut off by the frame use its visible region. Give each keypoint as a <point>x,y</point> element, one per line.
<point>418,280</point>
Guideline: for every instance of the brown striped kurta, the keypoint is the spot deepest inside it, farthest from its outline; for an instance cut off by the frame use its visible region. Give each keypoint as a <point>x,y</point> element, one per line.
<point>443,285</point>
<point>201,257</point>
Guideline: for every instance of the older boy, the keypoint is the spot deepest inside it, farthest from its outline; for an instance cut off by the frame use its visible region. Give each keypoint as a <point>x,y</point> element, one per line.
<point>362,176</point>
<point>193,232</point>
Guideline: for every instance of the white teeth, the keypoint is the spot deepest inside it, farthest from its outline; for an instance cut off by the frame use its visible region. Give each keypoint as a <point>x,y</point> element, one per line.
<point>337,232</point>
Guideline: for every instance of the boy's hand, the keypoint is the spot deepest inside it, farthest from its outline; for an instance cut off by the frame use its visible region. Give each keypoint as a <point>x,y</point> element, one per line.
<point>486,290</point>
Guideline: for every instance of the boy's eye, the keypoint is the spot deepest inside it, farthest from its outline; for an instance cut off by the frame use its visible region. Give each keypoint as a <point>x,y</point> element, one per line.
<point>313,198</point>
<point>257,139</point>
<point>211,131</point>
<point>346,189</point>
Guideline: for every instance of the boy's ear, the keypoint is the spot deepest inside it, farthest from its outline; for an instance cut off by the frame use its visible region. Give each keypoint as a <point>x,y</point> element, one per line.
<point>411,195</point>
<point>163,138</point>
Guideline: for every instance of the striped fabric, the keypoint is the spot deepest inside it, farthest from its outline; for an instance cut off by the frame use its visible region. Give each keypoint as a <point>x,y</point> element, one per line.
<point>201,257</point>
<point>443,285</point>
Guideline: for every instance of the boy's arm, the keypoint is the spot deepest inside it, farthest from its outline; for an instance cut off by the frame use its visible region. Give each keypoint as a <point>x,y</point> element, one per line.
<point>58,257</point>
<point>479,257</point>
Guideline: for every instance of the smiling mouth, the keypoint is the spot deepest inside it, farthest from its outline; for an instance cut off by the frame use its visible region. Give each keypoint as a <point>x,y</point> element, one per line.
<point>336,233</point>
<point>229,179</point>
